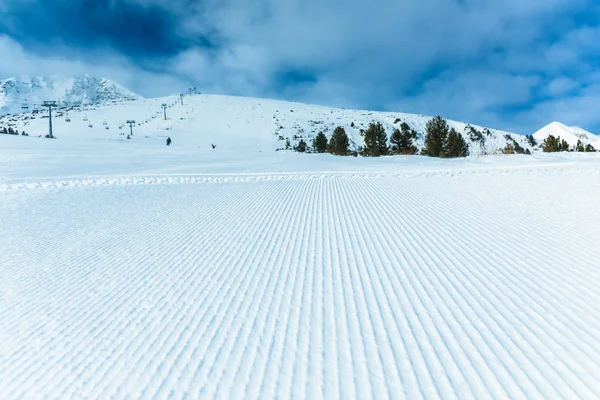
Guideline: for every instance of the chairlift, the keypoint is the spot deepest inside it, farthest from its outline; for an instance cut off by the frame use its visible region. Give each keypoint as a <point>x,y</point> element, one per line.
<point>106,127</point>
<point>25,106</point>
<point>68,119</point>
<point>90,126</point>
<point>85,119</point>
<point>104,123</point>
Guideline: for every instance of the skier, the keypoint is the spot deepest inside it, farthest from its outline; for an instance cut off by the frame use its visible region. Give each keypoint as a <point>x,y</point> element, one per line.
<point>168,141</point>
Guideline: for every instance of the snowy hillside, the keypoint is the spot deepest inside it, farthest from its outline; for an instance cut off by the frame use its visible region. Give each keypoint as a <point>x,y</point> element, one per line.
<point>244,123</point>
<point>26,94</point>
<point>572,134</point>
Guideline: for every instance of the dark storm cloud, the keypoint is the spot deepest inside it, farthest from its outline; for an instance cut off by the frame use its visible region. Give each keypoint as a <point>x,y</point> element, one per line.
<point>514,64</point>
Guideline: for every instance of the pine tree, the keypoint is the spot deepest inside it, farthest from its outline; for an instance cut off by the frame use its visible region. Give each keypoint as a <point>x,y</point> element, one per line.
<point>320,143</point>
<point>579,147</point>
<point>456,146</point>
<point>11,131</point>
<point>301,148</point>
<point>375,140</point>
<point>402,140</point>
<point>589,148</point>
<point>531,140</point>
<point>396,140</point>
<point>564,146</point>
<point>339,143</point>
<point>509,149</point>
<point>551,144</point>
<point>435,139</point>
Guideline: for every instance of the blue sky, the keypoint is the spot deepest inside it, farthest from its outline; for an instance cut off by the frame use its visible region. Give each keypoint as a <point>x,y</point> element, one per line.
<point>514,64</point>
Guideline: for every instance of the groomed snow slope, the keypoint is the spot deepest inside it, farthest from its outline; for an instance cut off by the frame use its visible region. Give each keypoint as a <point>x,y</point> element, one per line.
<point>399,278</point>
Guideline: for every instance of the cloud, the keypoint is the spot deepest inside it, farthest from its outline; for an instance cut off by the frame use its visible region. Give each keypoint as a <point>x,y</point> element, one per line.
<point>487,62</point>
<point>106,64</point>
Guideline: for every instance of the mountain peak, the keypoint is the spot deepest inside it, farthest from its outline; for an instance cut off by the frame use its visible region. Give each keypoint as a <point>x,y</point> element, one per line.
<point>572,134</point>
<point>23,92</point>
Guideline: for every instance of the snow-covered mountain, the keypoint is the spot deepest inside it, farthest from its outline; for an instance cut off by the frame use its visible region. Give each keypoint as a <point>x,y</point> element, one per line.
<point>244,123</point>
<point>24,93</point>
<point>571,134</point>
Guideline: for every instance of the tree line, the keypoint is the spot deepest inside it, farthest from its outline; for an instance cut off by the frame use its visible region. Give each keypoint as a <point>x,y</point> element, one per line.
<point>554,144</point>
<point>440,141</point>
<point>11,131</point>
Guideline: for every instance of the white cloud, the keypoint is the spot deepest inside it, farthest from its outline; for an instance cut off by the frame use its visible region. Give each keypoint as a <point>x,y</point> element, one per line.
<point>100,63</point>
<point>464,59</point>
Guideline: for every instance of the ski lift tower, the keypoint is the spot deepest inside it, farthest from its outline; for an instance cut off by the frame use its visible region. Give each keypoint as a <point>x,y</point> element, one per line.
<point>131,122</point>
<point>164,107</point>
<point>49,104</point>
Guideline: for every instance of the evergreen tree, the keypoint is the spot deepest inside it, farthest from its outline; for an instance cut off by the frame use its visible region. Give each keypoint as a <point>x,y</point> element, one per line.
<point>456,146</point>
<point>402,141</point>
<point>531,140</point>
<point>564,146</point>
<point>435,139</point>
<point>509,149</point>
<point>474,134</point>
<point>11,131</point>
<point>320,143</point>
<point>579,147</point>
<point>395,140</point>
<point>339,143</point>
<point>375,140</point>
<point>589,148</point>
<point>301,148</point>
<point>518,148</point>
<point>551,144</point>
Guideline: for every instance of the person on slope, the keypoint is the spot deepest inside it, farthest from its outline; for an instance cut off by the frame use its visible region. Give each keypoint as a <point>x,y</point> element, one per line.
<point>169,141</point>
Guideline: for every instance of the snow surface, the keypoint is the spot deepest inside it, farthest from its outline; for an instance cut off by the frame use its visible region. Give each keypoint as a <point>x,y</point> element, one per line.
<point>129,269</point>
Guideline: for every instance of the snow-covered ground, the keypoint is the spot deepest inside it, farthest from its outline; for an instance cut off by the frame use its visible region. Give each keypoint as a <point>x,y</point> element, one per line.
<point>129,269</point>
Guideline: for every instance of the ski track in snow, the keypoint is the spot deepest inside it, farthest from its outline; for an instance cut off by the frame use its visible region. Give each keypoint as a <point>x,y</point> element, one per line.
<point>302,285</point>
<point>158,179</point>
